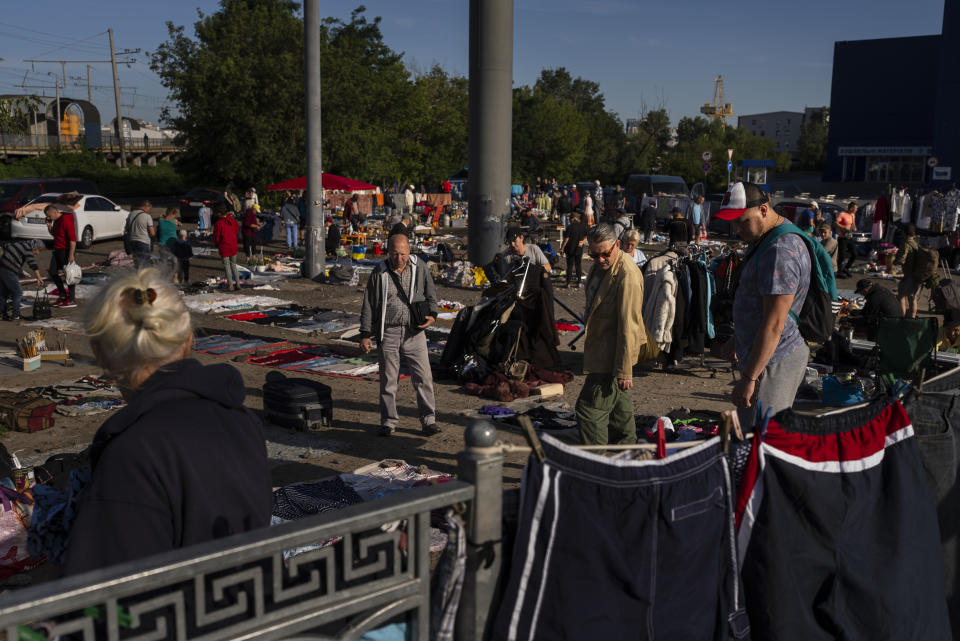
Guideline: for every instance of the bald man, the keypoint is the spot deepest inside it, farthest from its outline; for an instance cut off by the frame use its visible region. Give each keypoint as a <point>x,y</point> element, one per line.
<point>400,302</point>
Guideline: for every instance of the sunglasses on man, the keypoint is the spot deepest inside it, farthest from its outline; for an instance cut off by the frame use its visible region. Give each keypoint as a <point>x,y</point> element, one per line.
<point>605,255</point>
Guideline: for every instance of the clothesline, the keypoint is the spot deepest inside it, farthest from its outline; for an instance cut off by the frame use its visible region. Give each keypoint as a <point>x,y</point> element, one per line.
<point>508,448</point>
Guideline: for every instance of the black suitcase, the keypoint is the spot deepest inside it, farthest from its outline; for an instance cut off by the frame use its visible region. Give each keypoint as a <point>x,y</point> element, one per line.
<point>300,403</point>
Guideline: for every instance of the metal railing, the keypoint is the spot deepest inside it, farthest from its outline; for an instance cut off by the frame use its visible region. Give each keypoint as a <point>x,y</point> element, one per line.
<point>38,143</point>
<point>241,587</point>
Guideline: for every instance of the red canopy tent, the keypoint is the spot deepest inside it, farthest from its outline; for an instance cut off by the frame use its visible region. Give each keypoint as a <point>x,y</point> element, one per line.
<point>330,181</point>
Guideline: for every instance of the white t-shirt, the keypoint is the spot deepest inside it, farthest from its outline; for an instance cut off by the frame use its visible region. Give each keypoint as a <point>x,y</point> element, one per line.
<point>205,214</point>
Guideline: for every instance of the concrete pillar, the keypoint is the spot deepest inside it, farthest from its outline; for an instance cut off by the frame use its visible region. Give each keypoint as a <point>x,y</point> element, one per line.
<point>491,121</point>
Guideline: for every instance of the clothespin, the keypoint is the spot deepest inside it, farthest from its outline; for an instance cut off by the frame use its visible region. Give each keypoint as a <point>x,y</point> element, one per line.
<point>729,420</point>
<point>532,439</point>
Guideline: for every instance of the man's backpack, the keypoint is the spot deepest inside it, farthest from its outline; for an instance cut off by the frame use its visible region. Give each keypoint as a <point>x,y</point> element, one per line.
<point>816,321</point>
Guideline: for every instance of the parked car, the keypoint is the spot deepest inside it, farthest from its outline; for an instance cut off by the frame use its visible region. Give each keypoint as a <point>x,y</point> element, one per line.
<point>193,200</point>
<point>17,193</point>
<point>98,218</point>
<point>829,210</point>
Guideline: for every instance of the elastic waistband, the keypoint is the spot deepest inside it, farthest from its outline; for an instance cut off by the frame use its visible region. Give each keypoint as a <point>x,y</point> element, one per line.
<point>859,446</point>
<point>831,422</point>
<point>608,471</point>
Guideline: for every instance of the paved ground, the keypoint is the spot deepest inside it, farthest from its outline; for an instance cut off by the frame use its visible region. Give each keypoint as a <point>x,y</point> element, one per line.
<point>352,441</point>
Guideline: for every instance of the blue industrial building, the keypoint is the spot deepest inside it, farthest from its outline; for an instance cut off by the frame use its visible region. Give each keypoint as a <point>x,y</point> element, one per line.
<point>894,108</point>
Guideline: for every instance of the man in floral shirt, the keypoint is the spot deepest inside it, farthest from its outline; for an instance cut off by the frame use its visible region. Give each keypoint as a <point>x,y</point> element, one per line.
<point>769,350</point>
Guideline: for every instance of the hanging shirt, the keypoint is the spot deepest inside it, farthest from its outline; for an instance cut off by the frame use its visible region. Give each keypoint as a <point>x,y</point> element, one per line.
<point>695,216</point>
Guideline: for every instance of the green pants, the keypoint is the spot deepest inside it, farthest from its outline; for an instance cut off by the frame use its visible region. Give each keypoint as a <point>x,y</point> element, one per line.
<point>605,412</point>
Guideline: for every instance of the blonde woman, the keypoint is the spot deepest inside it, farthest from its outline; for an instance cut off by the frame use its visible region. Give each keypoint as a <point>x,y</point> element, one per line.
<point>184,462</point>
<point>629,242</point>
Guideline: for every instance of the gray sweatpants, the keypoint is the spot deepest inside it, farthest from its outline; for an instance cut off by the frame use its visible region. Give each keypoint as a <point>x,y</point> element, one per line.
<point>777,386</point>
<point>398,342</point>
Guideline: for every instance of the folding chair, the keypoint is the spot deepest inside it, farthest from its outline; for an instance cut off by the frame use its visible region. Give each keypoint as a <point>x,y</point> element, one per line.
<point>906,347</point>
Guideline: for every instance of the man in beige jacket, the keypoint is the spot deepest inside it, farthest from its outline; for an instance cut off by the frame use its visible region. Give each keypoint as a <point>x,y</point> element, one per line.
<point>615,334</point>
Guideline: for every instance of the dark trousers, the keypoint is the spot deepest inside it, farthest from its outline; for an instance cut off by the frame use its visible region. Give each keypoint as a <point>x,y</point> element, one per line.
<point>141,253</point>
<point>58,260</point>
<point>639,550</point>
<point>935,415</point>
<point>574,268</point>
<point>840,538</point>
<point>10,288</point>
<point>184,270</point>
<point>846,251</point>
<point>249,245</point>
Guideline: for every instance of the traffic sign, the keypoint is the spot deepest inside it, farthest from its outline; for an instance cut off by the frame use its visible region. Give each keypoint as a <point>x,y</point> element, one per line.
<point>706,167</point>
<point>932,161</point>
<point>729,165</point>
<point>706,157</point>
<point>729,154</point>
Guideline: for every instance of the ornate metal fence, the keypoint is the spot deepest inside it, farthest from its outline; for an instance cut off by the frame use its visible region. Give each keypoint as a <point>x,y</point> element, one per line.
<point>241,587</point>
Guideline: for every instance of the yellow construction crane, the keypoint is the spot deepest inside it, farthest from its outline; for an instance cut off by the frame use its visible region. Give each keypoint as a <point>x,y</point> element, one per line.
<point>717,109</point>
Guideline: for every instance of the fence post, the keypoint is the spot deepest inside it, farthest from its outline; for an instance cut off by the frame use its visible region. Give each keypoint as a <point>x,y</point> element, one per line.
<point>481,464</point>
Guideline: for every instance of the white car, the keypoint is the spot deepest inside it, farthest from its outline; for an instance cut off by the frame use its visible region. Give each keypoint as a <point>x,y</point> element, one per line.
<point>97,218</point>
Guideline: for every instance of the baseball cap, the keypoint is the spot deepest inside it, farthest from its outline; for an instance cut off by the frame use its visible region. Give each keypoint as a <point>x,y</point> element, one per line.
<point>814,205</point>
<point>862,284</point>
<point>739,198</point>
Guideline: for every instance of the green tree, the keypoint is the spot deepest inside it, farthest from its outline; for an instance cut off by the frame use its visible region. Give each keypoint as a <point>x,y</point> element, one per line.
<point>602,148</point>
<point>549,136</point>
<point>696,135</point>
<point>436,131</point>
<point>812,144</point>
<point>238,89</point>
<point>369,104</point>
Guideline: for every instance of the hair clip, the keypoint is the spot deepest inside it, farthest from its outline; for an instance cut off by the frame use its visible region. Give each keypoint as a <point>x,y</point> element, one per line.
<point>141,296</point>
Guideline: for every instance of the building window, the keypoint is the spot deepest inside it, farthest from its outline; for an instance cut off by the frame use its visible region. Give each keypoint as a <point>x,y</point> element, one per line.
<point>788,121</point>
<point>786,145</point>
<point>753,122</point>
<point>762,133</point>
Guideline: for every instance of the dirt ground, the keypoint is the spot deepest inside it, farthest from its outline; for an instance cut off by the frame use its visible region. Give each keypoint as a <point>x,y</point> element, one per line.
<point>352,440</point>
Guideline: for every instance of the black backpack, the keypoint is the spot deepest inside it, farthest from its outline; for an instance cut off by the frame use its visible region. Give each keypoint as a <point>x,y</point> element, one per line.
<point>816,321</point>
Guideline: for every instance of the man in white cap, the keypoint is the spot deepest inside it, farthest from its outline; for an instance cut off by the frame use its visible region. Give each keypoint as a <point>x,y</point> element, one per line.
<point>767,346</point>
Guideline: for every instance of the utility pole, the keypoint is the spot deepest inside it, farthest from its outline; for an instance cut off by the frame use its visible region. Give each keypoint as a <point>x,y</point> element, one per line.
<point>56,83</point>
<point>316,245</point>
<point>116,88</point>
<point>89,87</point>
<point>116,98</point>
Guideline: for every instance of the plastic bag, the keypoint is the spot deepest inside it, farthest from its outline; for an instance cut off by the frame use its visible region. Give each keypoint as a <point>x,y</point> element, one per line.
<point>72,274</point>
<point>15,515</point>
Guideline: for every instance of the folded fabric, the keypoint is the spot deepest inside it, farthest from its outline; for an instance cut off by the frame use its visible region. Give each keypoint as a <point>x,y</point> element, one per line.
<point>496,411</point>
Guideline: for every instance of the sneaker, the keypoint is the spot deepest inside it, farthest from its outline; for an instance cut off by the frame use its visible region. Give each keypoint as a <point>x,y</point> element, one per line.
<point>68,303</point>
<point>386,430</point>
<point>15,317</point>
<point>431,429</point>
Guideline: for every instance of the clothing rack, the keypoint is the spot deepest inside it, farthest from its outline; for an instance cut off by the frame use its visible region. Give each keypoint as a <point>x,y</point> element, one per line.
<point>728,423</point>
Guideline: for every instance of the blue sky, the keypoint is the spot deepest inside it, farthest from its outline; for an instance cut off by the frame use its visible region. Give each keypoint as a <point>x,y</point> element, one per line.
<point>772,55</point>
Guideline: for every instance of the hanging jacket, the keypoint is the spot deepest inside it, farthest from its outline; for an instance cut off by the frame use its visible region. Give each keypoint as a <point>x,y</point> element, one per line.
<point>660,301</point>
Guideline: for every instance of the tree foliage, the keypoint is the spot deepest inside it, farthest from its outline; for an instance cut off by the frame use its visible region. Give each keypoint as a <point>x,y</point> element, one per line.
<point>696,135</point>
<point>15,113</point>
<point>812,144</point>
<point>238,87</point>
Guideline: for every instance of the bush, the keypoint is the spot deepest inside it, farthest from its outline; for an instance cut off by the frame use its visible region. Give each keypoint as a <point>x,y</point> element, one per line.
<point>163,179</point>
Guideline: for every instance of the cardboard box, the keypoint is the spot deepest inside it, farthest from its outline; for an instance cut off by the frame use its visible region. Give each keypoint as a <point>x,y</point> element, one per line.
<point>55,355</point>
<point>30,364</point>
<point>550,389</point>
